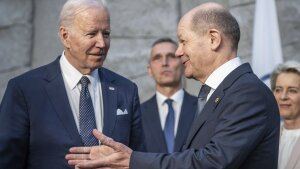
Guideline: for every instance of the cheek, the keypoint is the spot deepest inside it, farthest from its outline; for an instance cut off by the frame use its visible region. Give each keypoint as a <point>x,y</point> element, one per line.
<point>107,43</point>
<point>297,102</point>
<point>276,97</point>
<point>154,71</point>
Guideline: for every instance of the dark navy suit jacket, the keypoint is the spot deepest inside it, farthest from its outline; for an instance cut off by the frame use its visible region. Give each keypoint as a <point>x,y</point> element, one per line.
<point>154,136</point>
<point>238,128</point>
<point>37,126</point>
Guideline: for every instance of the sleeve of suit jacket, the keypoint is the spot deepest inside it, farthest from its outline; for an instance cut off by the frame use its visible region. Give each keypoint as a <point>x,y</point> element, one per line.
<point>14,128</point>
<point>245,120</point>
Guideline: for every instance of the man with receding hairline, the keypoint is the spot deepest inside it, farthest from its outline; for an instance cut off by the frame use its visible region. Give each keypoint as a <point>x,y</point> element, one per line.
<point>238,127</point>
<point>47,110</point>
<point>167,116</point>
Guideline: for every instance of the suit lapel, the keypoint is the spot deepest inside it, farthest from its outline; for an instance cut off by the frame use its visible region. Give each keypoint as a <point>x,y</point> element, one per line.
<point>56,91</point>
<point>109,96</point>
<point>154,125</point>
<point>187,115</point>
<point>214,100</point>
<point>206,113</point>
<point>295,156</point>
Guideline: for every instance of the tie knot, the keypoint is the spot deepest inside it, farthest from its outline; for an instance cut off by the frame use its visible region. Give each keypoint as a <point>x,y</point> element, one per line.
<point>204,91</point>
<point>84,81</point>
<point>169,102</point>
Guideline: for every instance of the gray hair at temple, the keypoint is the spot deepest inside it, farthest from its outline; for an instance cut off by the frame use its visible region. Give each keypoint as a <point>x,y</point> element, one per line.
<point>287,67</point>
<point>72,7</point>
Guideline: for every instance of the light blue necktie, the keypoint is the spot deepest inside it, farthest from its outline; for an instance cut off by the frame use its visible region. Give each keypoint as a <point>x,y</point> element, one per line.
<point>87,120</point>
<point>169,126</point>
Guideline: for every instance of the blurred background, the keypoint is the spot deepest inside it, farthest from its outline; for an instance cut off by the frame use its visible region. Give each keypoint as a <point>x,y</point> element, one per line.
<point>28,34</point>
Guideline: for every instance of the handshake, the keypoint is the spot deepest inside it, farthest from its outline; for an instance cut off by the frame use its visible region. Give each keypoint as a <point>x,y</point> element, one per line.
<point>108,155</point>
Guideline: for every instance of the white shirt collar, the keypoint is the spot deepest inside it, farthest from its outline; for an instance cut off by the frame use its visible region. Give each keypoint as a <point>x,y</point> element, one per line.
<point>176,97</point>
<point>215,79</point>
<point>72,75</point>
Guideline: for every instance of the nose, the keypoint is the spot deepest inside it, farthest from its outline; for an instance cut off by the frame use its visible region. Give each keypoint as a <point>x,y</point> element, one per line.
<point>179,51</point>
<point>100,41</point>
<point>165,61</point>
<point>284,95</point>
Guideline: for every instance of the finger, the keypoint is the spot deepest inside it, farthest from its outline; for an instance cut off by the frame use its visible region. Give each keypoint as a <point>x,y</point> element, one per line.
<point>81,150</point>
<point>99,163</point>
<point>77,157</point>
<point>75,162</point>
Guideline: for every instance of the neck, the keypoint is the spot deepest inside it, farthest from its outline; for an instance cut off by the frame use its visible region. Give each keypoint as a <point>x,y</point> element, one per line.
<point>168,91</point>
<point>292,124</point>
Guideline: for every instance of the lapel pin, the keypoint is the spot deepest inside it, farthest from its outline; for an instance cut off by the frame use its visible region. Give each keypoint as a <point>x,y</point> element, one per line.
<point>111,88</point>
<point>217,100</point>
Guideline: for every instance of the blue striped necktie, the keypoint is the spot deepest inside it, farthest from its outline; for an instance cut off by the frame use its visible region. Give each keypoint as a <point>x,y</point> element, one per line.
<point>87,120</point>
<point>169,126</point>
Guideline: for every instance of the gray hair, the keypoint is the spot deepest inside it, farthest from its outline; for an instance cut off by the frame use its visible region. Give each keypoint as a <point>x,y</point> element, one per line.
<point>73,7</point>
<point>287,67</point>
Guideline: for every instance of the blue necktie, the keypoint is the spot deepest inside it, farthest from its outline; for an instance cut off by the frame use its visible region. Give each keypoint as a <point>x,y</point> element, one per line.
<point>169,126</point>
<point>87,120</point>
<point>202,97</point>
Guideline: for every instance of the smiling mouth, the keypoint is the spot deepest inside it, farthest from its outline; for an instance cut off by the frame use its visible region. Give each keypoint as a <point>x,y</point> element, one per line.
<point>184,62</point>
<point>284,105</point>
<point>97,54</point>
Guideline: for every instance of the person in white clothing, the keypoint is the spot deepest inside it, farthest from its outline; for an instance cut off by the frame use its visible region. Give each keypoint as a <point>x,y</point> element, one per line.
<point>285,83</point>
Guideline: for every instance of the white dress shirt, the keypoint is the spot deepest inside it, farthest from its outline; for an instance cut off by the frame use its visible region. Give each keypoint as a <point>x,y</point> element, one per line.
<point>71,77</point>
<point>217,76</point>
<point>287,142</point>
<point>163,107</point>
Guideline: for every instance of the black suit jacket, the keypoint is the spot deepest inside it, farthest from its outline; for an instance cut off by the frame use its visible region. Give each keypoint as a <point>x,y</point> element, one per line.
<point>237,129</point>
<point>37,126</point>
<point>154,136</point>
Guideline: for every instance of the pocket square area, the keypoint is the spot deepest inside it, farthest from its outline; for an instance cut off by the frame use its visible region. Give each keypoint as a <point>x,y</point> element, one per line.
<point>120,112</point>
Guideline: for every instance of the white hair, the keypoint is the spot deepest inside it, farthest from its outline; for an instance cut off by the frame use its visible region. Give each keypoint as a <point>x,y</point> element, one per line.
<point>72,7</point>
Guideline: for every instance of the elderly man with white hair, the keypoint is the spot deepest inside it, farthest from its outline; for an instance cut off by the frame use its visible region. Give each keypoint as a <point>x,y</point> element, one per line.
<point>47,110</point>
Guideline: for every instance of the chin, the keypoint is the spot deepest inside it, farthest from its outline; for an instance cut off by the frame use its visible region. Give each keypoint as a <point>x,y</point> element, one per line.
<point>188,75</point>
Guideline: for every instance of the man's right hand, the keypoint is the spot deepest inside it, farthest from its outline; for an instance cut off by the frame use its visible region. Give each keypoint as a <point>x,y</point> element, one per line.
<point>109,154</point>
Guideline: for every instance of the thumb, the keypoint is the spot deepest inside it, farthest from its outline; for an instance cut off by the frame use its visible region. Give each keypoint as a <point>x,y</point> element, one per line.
<point>104,139</point>
<point>99,135</point>
<point>110,142</point>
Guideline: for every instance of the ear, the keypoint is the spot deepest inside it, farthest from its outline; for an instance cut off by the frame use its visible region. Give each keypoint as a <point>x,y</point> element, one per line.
<point>64,35</point>
<point>215,39</point>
